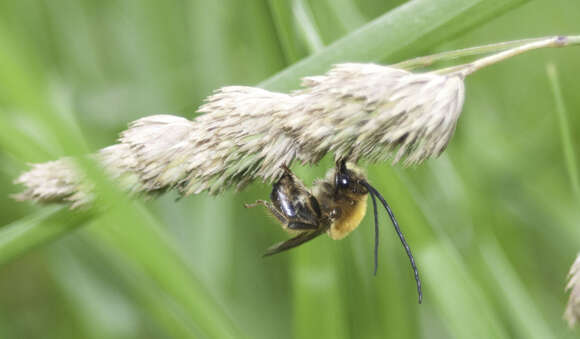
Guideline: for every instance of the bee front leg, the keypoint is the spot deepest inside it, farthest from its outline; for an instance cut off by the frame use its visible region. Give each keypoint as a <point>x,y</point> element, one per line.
<point>257,203</point>
<point>271,208</point>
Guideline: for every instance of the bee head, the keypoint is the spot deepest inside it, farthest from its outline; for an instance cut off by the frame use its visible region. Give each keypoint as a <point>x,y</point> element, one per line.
<point>352,181</point>
<point>349,180</point>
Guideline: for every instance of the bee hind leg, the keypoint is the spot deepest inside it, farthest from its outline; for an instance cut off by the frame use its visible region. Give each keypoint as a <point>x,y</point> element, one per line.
<point>257,203</point>
<point>271,208</point>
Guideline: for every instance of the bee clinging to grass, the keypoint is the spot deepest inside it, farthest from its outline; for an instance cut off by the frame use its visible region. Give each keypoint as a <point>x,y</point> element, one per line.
<point>336,206</point>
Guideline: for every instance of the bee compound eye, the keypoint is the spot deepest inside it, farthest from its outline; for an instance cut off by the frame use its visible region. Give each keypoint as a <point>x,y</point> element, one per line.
<point>342,181</point>
<point>335,213</point>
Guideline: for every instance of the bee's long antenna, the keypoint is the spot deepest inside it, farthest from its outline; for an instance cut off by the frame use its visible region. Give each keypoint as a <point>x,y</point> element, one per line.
<point>376,232</point>
<point>373,191</point>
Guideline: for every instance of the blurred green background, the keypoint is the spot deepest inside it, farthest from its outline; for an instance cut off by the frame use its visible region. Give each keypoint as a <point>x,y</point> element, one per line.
<point>493,223</point>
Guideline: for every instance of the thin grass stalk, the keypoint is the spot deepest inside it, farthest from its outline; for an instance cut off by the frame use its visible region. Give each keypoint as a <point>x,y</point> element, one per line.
<point>533,44</point>
<point>428,60</point>
<point>572,312</point>
<point>565,134</point>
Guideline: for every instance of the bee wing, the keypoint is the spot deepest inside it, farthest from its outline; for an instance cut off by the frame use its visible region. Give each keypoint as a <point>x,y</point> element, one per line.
<point>294,242</point>
<point>297,203</point>
<point>304,210</point>
<point>310,211</point>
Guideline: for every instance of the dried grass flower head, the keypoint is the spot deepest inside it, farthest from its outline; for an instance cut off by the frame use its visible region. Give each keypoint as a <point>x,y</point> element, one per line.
<point>355,111</point>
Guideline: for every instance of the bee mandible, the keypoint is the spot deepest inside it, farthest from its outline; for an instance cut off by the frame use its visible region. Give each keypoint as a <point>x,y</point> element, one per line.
<point>336,206</point>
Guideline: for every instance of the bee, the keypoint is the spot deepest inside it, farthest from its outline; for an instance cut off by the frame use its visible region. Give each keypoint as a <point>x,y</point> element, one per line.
<point>336,205</point>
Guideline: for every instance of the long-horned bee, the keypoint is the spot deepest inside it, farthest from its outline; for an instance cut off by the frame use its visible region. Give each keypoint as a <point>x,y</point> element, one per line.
<point>336,206</point>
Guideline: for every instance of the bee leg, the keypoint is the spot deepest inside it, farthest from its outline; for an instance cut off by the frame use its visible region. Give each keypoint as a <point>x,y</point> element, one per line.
<point>295,225</point>
<point>271,208</point>
<point>257,203</point>
<point>288,174</point>
<point>286,169</point>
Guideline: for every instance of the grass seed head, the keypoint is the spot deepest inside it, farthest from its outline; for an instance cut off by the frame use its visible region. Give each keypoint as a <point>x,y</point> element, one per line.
<point>355,111</point>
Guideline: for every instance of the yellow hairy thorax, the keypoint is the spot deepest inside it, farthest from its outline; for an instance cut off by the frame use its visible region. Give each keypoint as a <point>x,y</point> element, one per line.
<point>351,216</point>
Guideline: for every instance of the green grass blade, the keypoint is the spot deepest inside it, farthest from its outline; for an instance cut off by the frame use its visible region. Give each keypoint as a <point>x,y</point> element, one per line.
<point>519,305</point>
<point>135,236</point>
<point>346,13</point>
<point>104,306</point>
<point>460,302</point>
<point>307,26</point>
<point>83,267</point>
<point>24,88</point>
<point>21,145</point>
<point>413,27</point>
<point>37,229</point>
<point>316,287</point>
<point>281,12</point>
<point>141,242</point>
<point>567,144</point>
